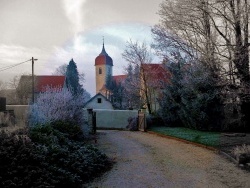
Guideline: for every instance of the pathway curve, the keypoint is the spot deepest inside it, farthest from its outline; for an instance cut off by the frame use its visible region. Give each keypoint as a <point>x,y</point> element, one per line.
<point>148,161</point>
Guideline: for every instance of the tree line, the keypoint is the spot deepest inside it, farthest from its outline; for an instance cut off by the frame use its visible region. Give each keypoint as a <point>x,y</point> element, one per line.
<point>18,90</point>
<point>204,45</point>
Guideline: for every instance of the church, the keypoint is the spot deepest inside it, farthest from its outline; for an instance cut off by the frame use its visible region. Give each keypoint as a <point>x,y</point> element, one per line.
<point>103,71</point>
<point>154,74</point>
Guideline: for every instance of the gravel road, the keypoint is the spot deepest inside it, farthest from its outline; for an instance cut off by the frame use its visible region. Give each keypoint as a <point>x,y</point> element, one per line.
<point>145,160</point>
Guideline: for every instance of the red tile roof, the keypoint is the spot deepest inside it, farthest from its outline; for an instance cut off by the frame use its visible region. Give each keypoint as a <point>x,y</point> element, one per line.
<point>119,78</point>
<point>49,81</point>
<point>156,73</point>
<point>103,58</point>
<point>41,82</point>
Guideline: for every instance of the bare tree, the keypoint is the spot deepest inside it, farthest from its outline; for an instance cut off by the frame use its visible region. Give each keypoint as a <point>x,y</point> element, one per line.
<point>13,83</point>
<point>132,86</point>
<point>2,85</point>
<point>62,69</point>
<point>139,54</point>
<point>213,32</point>
<point>3,88</point>
<point>186,26</point>
<point>12,92</point>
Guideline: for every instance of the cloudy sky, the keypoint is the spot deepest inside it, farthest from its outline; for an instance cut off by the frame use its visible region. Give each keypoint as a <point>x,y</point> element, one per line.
<point>54,31</point>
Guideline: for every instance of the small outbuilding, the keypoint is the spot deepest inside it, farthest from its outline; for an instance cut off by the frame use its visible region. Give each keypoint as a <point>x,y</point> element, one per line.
<point>99,101</point>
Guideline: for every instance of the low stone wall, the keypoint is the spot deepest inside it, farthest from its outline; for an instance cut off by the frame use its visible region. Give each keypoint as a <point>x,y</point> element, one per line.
<point>113,119</point>
<point>20,111</point>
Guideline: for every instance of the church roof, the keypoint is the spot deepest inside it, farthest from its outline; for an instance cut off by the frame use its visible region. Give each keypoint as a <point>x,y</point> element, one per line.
<point>103,58</point>
<point>119,78</point>
<point>156,74</point>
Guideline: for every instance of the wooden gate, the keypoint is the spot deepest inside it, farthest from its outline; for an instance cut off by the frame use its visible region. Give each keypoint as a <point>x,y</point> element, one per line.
<point>142,121</point>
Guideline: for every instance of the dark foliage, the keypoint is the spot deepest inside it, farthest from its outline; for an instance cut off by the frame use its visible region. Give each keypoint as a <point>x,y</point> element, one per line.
<point>154,121</point>
<point>58,130</point>
<point>72,78</point>
<point>20,163</point>
<point>48,156</point>
<point>192,99</point>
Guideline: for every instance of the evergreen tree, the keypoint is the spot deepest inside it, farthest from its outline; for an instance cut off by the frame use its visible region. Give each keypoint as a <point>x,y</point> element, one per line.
<point>72,78</point>
<point>192,99</point>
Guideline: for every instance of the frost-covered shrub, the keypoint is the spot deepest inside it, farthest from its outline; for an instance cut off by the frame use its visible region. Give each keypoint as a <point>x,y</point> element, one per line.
<point>20,164</point>
<point>51,158</point>
<point>71,161</point>
<point>192,98</point>
<point>56,132</point>
<point>240,151</point>
<point>56,105</point>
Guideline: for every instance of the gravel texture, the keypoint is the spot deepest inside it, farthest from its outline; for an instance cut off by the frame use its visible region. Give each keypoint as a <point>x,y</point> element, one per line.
<point>148,161</point>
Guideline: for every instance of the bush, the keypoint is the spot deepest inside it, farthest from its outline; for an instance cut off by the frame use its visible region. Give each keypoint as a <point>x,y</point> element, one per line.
<point>240,152</point>
<point>66,155</point>
<point>19,162</point>
<point>48,156</point>
<point>58,130</point>
<point>51,153</point>
<point>192,99</point>
<point>56,105</point>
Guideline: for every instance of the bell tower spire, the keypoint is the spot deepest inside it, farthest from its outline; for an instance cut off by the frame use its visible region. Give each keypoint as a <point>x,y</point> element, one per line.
<point>103,48</point>
<point>103,68</point>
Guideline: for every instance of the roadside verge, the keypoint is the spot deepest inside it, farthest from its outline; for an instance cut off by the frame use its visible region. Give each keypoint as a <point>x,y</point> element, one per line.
<point>196,144</point>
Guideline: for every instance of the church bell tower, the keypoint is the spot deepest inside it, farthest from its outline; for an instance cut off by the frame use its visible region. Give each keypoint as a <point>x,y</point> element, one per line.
<point>103,69</point>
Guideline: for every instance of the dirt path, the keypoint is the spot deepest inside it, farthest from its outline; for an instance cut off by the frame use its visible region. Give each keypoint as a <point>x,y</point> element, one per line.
<point>149,161</point>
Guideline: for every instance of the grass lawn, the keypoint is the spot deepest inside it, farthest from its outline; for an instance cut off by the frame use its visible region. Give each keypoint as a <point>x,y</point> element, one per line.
<point>201,137</point>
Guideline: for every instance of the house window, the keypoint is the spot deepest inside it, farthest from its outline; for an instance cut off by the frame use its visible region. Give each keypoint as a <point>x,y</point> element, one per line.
<point>100,70</point>
<point>99,100</point>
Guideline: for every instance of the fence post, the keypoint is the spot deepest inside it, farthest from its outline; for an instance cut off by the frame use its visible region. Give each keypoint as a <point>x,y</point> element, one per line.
<point>94,122</point>
<point>91,120</point>
<point>142,121</point>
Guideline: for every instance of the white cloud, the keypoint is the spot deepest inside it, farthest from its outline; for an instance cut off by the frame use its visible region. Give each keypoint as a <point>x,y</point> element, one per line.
<point>14,54</point>
<point>83,48</point>
<point>126,31</point>
<point>86,46</point>
<point>74,13</point>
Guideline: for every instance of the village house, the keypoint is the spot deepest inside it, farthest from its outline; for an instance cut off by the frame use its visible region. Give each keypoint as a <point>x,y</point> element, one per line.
<point>41,83</point>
